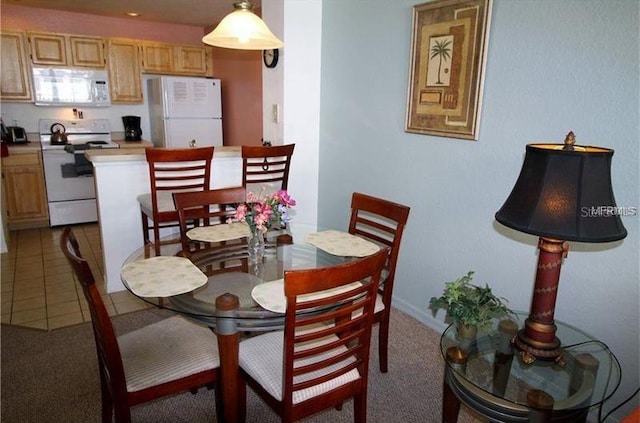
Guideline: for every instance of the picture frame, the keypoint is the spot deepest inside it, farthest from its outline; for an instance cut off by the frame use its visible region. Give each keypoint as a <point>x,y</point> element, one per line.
<point>446,74</point>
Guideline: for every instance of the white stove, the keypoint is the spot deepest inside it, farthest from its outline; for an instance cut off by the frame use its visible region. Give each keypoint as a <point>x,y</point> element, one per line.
<point>68,174</point>
<point>92,133</point>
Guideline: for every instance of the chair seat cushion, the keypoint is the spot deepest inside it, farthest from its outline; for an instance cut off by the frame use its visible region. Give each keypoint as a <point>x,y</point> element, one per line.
<point>262,358</point>
<point>165,202</point>
<point>167,350</point>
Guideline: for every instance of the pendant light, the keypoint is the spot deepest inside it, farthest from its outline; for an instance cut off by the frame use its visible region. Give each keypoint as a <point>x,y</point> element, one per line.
<point>243,30</point>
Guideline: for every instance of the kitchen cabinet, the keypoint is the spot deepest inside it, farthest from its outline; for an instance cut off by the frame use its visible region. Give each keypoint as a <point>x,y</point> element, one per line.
<point>157,58</point>
<point>87,51</point>
<point>23,181</point>
<point>191,60</point>
<point>174,59</point>
<point>47,49</point>
<point>124,71</point>
<point>15,78</point>
<point>53,49</point>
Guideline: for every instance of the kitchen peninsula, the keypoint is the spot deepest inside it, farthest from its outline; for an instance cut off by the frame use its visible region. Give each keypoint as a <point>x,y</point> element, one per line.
<point>123,174</point>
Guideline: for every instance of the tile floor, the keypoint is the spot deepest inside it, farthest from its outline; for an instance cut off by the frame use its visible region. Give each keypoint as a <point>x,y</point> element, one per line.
<point>39,289</point>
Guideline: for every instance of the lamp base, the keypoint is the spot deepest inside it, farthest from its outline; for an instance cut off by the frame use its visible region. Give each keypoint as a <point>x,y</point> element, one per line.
<point>531,350</point>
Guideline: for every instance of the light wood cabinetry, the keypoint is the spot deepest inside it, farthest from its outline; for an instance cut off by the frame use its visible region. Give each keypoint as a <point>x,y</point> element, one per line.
<point>124,71</point>
<point>157,58</point>
<point>23,181</point>
<point>52,49</point>
<point>15,78</point>
<point>87,51</point>
<point>191,60</point>
<point>173,59</point>
<point>126,60</point>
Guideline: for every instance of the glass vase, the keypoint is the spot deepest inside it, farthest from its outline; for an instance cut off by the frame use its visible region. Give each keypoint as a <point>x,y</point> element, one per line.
<point>255,246</point>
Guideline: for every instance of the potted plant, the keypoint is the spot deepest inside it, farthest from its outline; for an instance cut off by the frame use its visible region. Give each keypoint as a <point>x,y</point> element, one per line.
<point>468,305</point>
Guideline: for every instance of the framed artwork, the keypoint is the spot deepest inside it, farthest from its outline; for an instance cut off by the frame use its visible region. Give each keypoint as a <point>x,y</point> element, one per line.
<point>448,53</point>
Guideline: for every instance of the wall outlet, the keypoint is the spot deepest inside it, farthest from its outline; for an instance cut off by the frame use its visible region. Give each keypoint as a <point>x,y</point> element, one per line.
<point>275,113</point>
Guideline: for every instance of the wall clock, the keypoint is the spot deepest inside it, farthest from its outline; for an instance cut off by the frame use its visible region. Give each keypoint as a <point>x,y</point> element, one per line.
<point>270,57</point>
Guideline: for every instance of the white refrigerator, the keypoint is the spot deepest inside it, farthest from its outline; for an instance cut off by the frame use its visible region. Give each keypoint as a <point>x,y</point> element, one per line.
<point>185,111</point>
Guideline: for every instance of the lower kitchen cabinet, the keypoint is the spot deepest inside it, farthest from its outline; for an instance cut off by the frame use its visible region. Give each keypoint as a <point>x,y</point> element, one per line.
<point>23,182</point>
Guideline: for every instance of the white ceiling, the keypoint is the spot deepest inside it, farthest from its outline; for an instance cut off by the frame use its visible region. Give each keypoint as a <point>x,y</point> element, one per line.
<point>202,13</point>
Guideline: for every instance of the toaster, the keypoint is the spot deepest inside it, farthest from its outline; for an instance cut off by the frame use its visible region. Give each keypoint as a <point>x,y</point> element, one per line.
<point>16,135</point>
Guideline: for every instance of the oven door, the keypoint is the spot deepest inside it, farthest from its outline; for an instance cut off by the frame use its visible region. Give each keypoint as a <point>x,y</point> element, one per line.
<point>66,180</point>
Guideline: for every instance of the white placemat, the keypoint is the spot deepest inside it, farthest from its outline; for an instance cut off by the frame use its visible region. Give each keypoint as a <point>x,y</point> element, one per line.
<point>162,276</point>
<point>221,232</point>
<point>342,243</point>
<point>270,295</point>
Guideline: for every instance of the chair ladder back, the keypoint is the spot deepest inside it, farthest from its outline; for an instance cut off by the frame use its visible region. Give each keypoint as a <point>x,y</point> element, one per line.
<point>381,221</point>
<point>110,360</point>
<point>178,170</point>
<point>204,208</point>
<point>316,356</point>
<point>265,165</point>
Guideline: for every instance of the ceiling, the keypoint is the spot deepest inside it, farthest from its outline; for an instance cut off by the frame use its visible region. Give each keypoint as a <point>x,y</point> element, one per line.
<point>202,13</point>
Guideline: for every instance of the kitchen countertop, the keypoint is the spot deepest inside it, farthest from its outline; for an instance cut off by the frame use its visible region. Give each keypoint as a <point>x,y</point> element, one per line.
<point>29,147</point>
<point>128,151</point>
<point>133,144</point>
<point>137,154</point>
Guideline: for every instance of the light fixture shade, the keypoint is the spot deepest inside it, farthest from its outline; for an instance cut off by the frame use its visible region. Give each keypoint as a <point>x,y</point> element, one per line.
<point>564,193</point>
<point>243,30</point>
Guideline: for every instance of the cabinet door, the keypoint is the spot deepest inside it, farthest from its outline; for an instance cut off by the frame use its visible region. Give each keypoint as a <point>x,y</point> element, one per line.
<point>191,60</point>
<point>124,71</point>
<point>24,183</point>
<point>157,58</point>
<point>87,51</point>
<point>15,80</point>
<point>48,49</point>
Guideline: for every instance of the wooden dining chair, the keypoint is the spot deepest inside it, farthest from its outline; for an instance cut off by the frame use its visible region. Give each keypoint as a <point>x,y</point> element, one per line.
<point>205,208</point>
<point>171,170</point>
<point>382,222</point>
<point>266,168</point>
<point>167,357</point>
<point>310,367</point>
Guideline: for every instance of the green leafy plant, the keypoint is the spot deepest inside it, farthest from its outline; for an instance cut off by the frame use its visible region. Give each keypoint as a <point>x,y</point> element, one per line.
<point>468,304</point>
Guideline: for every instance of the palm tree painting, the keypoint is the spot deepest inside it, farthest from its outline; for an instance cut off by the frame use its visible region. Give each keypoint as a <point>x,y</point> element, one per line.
<point>440,50</point>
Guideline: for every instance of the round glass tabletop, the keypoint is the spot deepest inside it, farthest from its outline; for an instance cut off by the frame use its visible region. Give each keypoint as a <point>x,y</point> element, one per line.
<point>487,367</point>
<point>228,269</point>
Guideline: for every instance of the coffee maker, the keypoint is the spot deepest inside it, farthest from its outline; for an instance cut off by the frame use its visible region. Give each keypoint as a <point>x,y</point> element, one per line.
<point>132,130</point>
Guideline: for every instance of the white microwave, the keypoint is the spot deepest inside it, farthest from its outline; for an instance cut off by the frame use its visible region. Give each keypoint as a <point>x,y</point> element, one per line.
<point>71,87</point>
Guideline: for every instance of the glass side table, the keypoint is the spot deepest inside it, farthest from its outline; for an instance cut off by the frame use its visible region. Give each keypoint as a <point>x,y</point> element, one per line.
<point>485,373</point>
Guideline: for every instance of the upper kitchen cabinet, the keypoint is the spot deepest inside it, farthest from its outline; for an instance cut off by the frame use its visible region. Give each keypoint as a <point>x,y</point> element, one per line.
<point>66,50</point>
<point>124,71</point>
<point>87,51</point>
<point>174,59</point>
<point>157,58</point>
<point>191,60</point>
<point>15,79</point>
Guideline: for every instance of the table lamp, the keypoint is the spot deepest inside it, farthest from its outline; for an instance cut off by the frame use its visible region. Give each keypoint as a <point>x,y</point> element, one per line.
<point>563,194</point>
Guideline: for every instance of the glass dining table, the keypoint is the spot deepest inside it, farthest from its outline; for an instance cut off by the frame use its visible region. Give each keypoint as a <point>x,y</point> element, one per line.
<point>234,294</point>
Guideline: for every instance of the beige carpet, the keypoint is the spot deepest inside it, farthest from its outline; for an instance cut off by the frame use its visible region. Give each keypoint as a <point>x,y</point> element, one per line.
<point>52,377</point>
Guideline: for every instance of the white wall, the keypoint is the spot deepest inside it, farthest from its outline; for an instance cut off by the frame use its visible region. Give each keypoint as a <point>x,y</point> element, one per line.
<point>272,79</point>
<point>552,67</point>
<point>295,85</point>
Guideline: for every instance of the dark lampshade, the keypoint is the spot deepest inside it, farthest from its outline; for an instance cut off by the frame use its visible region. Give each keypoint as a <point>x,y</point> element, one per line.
<point>564,192</point>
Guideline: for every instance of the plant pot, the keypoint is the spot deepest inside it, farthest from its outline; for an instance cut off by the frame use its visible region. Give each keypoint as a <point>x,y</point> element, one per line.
<point>466,335</point>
